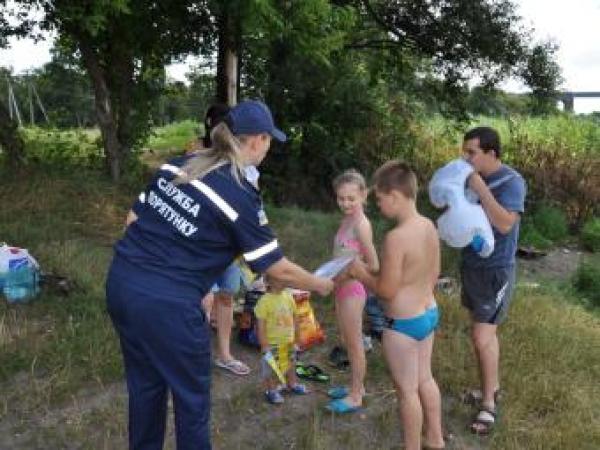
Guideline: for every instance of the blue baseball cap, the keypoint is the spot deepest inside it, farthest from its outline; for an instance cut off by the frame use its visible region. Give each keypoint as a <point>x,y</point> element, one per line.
<point>253,117</point>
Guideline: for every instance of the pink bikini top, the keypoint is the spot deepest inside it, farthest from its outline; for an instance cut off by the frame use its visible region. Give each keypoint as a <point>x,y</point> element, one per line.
<point>346,240</point>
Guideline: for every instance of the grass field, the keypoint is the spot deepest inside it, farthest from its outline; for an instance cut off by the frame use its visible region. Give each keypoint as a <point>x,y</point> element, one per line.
<point>60,367</point>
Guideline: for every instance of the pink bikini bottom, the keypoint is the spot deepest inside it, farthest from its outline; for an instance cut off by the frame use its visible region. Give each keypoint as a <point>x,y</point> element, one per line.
<point>351,289</point>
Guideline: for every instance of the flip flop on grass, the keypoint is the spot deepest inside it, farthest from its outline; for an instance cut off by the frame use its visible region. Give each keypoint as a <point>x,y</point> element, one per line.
<point>311,372</point>
<point>341,406</point>
<point>338,392</point>
<point>234,366</point>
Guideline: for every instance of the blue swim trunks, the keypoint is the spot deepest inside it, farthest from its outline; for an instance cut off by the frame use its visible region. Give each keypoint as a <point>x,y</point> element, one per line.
<point>418,327</point>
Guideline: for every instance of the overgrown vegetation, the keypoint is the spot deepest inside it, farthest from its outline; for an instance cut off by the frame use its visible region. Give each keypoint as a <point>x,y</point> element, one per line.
<point>587,281</point>
<point>590,234</point>
<point>559,156</point>
<point>173,138</point>
<point>63,149</point>
<point>550,222</point>
<point>530,236</point>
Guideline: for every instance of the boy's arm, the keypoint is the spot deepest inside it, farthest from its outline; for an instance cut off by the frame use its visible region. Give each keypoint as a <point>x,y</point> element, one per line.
<point>365,236</point>
<point>501,218</point>
<point>386,282</point>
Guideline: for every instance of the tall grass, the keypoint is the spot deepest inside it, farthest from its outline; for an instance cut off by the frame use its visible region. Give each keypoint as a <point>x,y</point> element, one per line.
<point>559,156</point>
<point>55,346</point>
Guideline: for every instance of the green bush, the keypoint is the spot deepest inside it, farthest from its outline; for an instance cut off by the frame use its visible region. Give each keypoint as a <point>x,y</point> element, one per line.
<point>551,222</point>
<point>175,135</point>
<point>586,281</point>
<point>590,235</point>
<point>531,237</point>
<point>63,149</point>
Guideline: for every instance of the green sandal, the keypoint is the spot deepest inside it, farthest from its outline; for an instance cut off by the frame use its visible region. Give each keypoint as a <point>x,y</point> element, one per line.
<point>311,372</point>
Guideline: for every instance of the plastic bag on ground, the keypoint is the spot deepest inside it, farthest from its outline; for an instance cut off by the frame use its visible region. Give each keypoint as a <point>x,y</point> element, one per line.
<point>19,274</point>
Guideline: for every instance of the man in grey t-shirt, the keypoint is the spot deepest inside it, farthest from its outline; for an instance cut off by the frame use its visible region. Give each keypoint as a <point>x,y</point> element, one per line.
<point>488,283</point>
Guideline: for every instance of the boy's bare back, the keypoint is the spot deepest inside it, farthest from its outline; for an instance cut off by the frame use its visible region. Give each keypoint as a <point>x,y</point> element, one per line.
<point>414,248</point>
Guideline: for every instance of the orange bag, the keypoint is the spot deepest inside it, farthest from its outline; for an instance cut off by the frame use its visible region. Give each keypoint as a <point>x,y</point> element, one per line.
<point>309,332</point>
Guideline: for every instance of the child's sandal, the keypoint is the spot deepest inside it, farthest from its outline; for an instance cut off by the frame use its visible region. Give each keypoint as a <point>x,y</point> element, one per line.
<point>298,389</point>
<point>484,422</point>
<point>274,397</point>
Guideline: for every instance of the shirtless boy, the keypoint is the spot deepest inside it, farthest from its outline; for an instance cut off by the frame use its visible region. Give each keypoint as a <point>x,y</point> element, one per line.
<point>410,266</point>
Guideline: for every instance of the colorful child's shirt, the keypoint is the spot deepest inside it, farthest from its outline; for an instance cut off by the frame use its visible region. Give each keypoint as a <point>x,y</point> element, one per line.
<point>277,311</point>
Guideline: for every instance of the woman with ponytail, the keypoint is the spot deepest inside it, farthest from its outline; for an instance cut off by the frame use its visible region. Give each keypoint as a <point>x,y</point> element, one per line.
<point>194,218</point>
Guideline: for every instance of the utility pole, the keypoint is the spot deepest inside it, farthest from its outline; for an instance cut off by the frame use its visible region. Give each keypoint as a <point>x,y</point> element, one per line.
<point>13,106</point>
<point>31,114</point>
<point>39,102</point>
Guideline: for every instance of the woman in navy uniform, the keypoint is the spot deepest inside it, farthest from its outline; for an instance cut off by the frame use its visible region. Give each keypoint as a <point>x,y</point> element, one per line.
<point>194,218</point>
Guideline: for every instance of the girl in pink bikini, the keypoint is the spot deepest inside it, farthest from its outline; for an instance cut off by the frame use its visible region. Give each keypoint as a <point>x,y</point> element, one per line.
<point>355,236</point>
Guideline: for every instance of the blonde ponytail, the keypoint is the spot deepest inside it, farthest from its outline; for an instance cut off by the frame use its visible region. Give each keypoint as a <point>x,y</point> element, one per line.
<point>226,148</point>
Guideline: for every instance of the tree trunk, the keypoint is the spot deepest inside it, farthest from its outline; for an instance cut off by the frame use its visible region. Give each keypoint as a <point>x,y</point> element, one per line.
<point>10,140</point>
<point>227,60</point>
<point>104,111</point>
<point>124,88</point>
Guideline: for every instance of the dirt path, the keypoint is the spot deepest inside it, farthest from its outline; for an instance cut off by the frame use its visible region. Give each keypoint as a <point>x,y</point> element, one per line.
<point>95,418</point>
<point>558,265</point>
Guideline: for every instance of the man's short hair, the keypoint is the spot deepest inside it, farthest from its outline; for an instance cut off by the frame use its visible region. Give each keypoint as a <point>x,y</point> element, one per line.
<point>489,139</point>
<point>396,175</point>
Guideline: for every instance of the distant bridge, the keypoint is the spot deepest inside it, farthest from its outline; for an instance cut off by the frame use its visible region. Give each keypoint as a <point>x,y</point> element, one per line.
<point>568,98</point>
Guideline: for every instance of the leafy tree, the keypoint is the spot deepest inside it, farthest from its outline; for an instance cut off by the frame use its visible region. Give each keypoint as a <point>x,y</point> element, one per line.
<point>347,78</point>
<point>124,46</point>
<point>543,75</point>
<point>324,97</point>
<point>458,39</point>
<point>201,90</point>
<point>174,102</point>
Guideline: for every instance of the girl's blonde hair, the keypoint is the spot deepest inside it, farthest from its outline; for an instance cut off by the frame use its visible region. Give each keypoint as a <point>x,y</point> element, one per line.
<point>225,148</point>
<point>351,176</point>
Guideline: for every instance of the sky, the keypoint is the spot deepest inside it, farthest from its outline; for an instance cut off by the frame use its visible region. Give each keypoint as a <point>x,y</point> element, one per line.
<point>574,25</point>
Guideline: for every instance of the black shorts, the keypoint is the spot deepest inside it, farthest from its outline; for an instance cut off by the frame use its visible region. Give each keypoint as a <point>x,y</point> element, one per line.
<point>487,292</point>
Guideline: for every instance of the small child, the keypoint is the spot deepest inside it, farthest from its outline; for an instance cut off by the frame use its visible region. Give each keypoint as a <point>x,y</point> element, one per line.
<point>354,237</point>
<point>275,314</point>
<point>410,266</point>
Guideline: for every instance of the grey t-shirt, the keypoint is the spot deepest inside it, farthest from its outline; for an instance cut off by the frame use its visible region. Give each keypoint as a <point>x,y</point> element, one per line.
<point>509,189</point>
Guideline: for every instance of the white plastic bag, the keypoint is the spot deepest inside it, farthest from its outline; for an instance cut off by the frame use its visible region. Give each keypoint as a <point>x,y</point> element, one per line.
<point>11,257</point>
<point>464,222</point>
<point>19,274</point>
